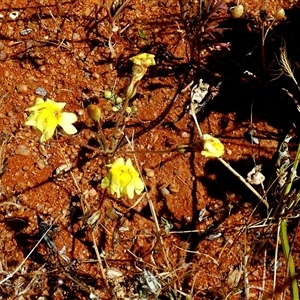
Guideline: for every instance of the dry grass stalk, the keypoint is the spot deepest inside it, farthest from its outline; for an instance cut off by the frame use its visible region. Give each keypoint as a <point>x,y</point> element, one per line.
<point>26,258</point>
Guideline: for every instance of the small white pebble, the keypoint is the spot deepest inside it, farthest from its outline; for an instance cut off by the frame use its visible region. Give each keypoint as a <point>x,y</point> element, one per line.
<point>14,14</point>
<point>184,134</point>
<point>164,191</point>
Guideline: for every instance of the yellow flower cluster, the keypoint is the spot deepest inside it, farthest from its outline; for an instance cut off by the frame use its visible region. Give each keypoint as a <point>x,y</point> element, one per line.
<point>123,179</point>
<point>47,115</point>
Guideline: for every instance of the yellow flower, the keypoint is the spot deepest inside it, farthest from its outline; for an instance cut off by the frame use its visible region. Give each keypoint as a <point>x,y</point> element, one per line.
<point>144,60</point>
<point>47,115</point>
<point>123,179</point>
<point>141,63</point>
<point>212,147</point>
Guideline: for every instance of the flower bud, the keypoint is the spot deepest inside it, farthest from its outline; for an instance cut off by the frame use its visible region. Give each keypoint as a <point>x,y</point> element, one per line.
<point>280,14</point>
<point>108,95</point>
<point>94,112</point>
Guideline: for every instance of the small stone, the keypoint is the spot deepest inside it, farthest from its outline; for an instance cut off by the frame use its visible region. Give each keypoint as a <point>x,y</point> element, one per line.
<point>164,191</point>
<point>80,112</point>
<point>40,164</point>
<point>13,15</point>
<point>41,91</point>
<point>95,75</point>
<point>81,55</point>
<point>76,36</point>
<point>149,172</point>
<point>184,134</point>
<point>93,193</point>
<point>111,213</point>
<point>22,88</point>
<point>25,31</point>
<point>174,188</point>
<point>43,69</point>
<point>62,61</point>
<point>2,46</point>
<point>3,55</point>
<point>22,150</point>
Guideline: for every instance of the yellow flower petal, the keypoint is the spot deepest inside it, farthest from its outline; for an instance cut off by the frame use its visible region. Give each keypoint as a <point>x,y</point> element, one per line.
<point>212,147</point>
<point>119,162</point>
<point>123,179</point>
<point>47,115</point>
<point>65,121</point>
<point>129,191</point>
<point>143,59</point>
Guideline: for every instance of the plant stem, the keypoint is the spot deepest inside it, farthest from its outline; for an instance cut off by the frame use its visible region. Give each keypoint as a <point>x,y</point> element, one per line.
<point>242,179</point>
<point>101,138</point>
<point>115,136</point>
<point>289,258</point>
<point>284,234</point>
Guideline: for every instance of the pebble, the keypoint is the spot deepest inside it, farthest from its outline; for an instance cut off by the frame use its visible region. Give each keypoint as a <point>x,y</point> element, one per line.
<point>62,61</point>
<point>25,31</point>
<point>174,188</point>
<point>3,55</point>
<point>40,164</point>
<point>111,213</point>
<point>76,36</point>
<point>13,15</point>
<point>95,75</point>
<point>82,55</point>
<point>22,88</point>
<point>41,91</point>
<point>149,172</point>
<point>93,193</point>
<point>184,134</point>
<point>22,150</point>
<point>164,191</point>
<point>2,46</point>
<point>80,112</point>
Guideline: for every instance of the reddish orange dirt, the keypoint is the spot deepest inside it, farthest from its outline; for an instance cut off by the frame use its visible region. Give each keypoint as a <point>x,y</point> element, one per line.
<point>61,235</point>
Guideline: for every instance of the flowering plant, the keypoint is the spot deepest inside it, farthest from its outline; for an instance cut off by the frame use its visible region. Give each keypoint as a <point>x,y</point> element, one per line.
<point>123,179</point>
<point>47,115</point>
<point>212,147</point>
<point>141,63</point>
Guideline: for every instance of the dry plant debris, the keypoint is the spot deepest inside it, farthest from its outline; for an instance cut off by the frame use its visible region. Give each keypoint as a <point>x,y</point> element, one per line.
<point>128,199</point>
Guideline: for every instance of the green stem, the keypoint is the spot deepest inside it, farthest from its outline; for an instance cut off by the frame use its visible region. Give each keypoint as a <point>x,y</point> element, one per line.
<point>289,259</point>
<point>284,234</point>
